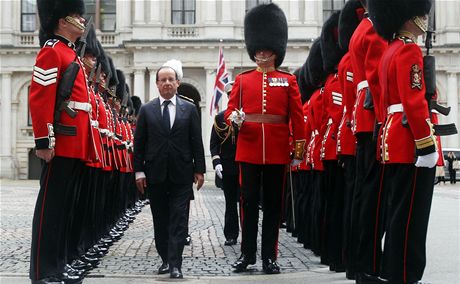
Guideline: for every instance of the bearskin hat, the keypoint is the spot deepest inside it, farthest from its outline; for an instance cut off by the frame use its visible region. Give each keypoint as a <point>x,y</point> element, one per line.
<point>306,89</point>
<point>136,104</point>
<point>315,64</point>
<point>50,11</point>
<point>114,78</point>
<point>265,28</point>
<point>121,87</point>
<point>350,17</point>
<point>91,42</point>
<point>330,49</point>
<point>388,16</point>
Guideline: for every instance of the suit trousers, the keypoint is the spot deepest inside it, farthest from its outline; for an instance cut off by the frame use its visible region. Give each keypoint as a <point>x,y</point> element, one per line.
<point>168,203</point>
<point>232,193</point>
<point>270,179</point>
<point>406,210</point>
<point>53,215</point>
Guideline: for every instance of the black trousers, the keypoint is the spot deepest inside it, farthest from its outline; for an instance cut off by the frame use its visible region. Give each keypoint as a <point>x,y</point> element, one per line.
<point>271,179</point>
<point>406,207</point>
<point>348,164</point>
<point>59,184</point>
<point>334,181</point>
<point>363,240</point>
<point>317,211</point>
<point>232,194</point>
<point>168,203</point>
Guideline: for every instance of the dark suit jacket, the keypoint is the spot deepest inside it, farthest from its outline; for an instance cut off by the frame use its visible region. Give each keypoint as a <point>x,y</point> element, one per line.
<point>176,154</point>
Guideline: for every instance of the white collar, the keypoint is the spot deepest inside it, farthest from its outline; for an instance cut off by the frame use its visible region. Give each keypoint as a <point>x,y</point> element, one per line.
<point>173,100</point>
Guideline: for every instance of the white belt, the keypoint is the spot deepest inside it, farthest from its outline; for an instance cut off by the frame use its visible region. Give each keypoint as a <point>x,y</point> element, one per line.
<point>361,85</point>
<point>80,106</point>
<point>395,108</point>
<point>94,123</point>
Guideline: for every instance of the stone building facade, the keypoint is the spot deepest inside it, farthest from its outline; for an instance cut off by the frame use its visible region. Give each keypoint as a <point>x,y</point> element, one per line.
<point>140,35</point>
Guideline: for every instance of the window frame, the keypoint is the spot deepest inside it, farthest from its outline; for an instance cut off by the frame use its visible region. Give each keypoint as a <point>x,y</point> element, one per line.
<point>182,12</point>
<point>34,14</point>
<point>328,12</point>
<point>98,15</point>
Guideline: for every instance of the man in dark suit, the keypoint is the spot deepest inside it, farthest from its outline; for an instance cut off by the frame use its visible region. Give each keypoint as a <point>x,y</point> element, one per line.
<point>168,158</point>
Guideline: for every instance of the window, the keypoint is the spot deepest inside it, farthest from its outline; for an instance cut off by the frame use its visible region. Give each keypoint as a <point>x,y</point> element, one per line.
<point>330,6</point>
<point>28,16</point>
<point>103,13</point>
<point>252,3</point>
<point>183,12</point>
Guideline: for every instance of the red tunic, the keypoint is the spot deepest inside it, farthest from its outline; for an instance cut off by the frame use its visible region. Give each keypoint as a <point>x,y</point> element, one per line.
<point>405,96</point>
<point>314,114</point>
<point>52,60</point>
<point>346,141</point>
<point>333,109</point>
<point>272,93</point>
<point>366,48</point>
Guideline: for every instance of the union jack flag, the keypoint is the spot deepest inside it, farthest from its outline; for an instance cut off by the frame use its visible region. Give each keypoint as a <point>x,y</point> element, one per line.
<point>219,85</point>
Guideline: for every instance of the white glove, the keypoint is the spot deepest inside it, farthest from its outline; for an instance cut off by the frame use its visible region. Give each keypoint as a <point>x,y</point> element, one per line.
<point>219,170</point>
<point>237,117</point>
<point>427,161</point>
<point>295,162</point>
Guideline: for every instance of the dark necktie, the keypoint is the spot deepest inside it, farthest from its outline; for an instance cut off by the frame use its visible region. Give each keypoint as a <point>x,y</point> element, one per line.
<point>166,118</point>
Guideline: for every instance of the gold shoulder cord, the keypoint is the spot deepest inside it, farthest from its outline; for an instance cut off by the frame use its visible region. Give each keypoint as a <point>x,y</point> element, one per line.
<point>222,132</point>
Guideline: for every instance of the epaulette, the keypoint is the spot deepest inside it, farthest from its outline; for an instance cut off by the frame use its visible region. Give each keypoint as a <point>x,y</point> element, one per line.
<point>187,99</point>
<point>285,72</point>
<point>406,39</point>
<point>247,71</point>
<point>51,42</point>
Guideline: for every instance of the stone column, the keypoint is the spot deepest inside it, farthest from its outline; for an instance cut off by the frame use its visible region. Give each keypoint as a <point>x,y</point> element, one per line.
<point>154,93</point>
<point>155,7</point>
<point>452,100</point>
<point>206,119</point>
<point>139,6</point>
<point>311,12</point>
<point>6,158</point>
<point>227,12</point>
<point>210,12</point>
<point>123,14</point>
<point>294,12</point>
<point>139,84</point>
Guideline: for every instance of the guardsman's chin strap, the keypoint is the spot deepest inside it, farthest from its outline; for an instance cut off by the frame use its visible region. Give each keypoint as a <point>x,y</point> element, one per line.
<point>71,20</point>
<point>420,23</point>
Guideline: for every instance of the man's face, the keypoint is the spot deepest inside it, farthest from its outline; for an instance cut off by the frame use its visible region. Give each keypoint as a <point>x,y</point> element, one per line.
<point>265,58</point>
<point>167,83</point>
<point>89,61</point>
<point>75,24</point>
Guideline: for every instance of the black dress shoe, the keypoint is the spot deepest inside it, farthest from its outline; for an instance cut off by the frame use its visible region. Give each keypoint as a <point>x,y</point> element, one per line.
<point>188,240</point>
<point>270,266</point>
<point>242,263</point>
<point>176,273</point>
<point>70,278</point>
<point>164,268</point>
<point>48,280</point>
<point>365,278</point>
<point>230,242</point>
<point>81,265</point>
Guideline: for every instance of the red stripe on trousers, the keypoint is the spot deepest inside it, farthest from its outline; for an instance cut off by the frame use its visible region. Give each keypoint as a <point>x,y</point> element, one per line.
<point>408,223</point>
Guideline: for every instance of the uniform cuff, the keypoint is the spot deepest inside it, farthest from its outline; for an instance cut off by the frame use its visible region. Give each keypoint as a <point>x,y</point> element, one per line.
<point>215,161</point>
<point>47,142</point>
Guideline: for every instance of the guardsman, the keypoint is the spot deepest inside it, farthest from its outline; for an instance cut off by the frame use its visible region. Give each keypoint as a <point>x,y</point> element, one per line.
<point>262,102</point>
<point>223,150</point>
<point>407,146</point>
<point>350,17</point>
<point>60,110</point>
<point>366,48</point>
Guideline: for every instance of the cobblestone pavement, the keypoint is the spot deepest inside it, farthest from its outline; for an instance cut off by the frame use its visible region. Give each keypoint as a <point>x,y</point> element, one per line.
<point>134,259</point>
<point>135,253</point>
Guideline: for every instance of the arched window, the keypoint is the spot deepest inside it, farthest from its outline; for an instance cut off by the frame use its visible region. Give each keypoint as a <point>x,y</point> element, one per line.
<point>183,12</point>
<point>103,13</point>
<point>28,15</point>
<point>330,6</point>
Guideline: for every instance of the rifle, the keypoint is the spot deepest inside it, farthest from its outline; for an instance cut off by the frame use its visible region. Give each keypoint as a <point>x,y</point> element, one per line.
<point>82,46</point>
<point>66,84</point>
